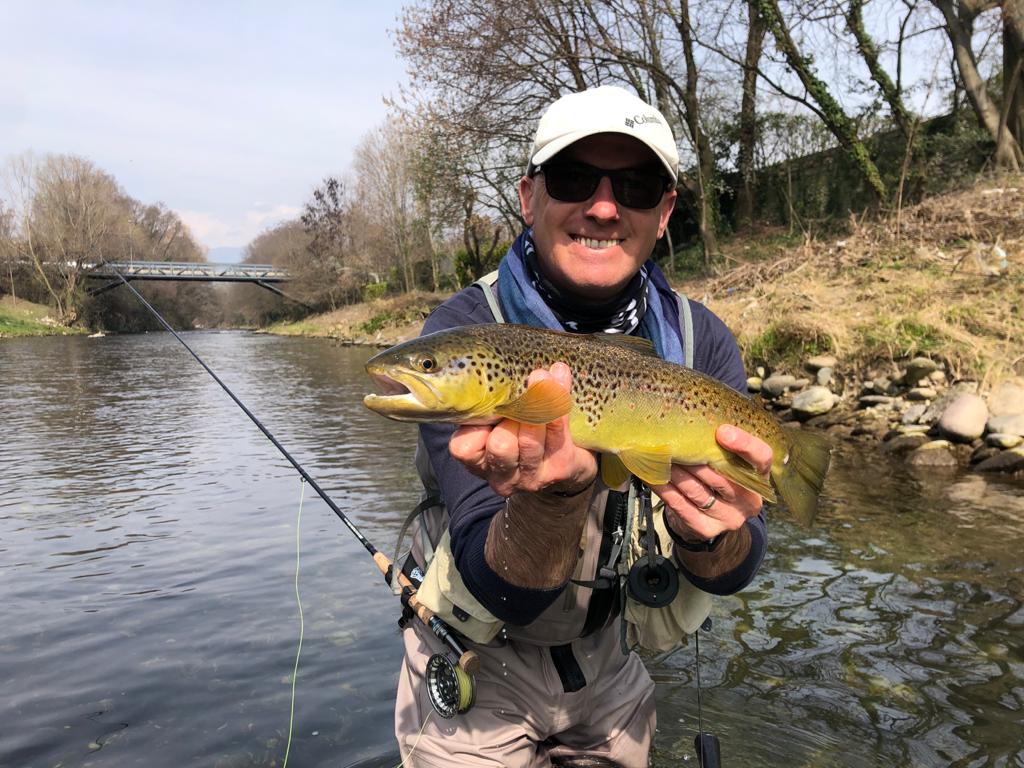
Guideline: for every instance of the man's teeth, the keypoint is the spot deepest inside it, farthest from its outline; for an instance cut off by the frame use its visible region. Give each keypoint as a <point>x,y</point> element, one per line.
<point>592,243</point>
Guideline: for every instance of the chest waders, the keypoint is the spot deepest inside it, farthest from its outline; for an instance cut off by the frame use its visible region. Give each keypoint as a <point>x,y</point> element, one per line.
<point>651,582</point>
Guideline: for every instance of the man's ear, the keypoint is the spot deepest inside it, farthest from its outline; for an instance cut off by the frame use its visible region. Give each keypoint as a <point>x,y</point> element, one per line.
<point>667,206</point>
<point>527,189</point>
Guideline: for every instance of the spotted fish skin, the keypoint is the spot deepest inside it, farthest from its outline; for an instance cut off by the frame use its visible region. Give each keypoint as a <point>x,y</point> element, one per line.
<point>626,403</point>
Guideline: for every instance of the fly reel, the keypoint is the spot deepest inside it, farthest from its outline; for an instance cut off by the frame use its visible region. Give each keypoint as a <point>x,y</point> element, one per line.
<point>451,689</point>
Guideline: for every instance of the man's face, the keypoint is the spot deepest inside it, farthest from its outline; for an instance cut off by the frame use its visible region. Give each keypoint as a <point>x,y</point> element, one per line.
<point>593,248</point>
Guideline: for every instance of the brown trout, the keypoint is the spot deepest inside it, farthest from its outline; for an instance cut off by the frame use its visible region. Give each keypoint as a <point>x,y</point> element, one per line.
<point>641,413</point>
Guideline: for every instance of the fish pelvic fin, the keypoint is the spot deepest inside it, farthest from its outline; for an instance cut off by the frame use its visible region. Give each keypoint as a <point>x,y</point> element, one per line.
<point>613,471</point>
<point>800,479</point>
<point>733,468</point>
<point>652,465</point>
<point>542,402</point>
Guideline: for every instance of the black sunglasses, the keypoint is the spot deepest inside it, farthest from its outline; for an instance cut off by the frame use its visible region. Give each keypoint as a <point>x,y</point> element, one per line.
<point>574,182</point>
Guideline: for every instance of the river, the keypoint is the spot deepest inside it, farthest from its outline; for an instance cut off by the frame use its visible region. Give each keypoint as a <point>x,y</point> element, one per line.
<point>148,543</point>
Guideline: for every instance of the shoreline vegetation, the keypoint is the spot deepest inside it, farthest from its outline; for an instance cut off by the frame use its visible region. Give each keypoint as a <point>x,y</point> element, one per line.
<point>906,330</point>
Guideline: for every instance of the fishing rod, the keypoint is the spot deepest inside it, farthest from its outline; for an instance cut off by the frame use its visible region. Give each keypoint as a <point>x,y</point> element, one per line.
<point>450,685</point>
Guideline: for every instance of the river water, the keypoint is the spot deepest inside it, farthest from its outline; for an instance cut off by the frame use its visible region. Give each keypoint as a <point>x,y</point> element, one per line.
<point>148,537</point>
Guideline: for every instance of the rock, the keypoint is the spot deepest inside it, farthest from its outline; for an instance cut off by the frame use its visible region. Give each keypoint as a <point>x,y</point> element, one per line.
<point>922,393</point>
<point>754,383</point>
<point>964,419</point>
<point>904,444</point>
<point>984,452</point>
<point>1007,399</point>
<point>818,362</point>
<point>913,414</point>
<point>940,404</point>
<point>760,371</point>
<point>813,402</point>
<point>1003,440</point>
<point>776,384</point>
<point>936,453</point>
<point>1012,423</point>
<point>799,384</point>
<point>1004,461</point>
<point>883,385</point>
<point>912,429</point>
<point>823,376</point>
<point>917,369</point>
<point>937,377</point>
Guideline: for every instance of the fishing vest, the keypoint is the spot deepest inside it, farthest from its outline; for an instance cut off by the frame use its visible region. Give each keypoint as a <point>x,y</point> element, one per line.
<point>611,542</point>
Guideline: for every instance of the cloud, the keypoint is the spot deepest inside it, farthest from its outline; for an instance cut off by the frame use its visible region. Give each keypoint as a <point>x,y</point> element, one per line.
<point>217,231</point>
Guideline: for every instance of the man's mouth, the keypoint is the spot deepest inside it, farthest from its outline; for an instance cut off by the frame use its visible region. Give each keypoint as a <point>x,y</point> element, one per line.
<point>594,243</point>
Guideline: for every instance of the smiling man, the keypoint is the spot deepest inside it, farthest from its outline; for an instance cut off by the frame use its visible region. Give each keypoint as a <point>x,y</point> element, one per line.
<point>523,548</point>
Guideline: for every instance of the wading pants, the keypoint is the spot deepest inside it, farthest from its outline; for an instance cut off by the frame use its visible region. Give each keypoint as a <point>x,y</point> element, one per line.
<point>523,715</point>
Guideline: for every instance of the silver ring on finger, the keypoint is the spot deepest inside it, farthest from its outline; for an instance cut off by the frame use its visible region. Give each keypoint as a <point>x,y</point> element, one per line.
<point>709,503</point>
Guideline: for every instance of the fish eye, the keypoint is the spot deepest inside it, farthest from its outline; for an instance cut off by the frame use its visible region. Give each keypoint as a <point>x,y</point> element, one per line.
<point>426,363</point>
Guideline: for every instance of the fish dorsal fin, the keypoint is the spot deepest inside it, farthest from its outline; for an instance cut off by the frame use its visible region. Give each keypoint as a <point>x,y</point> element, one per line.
<point>543,401</point>
<point>613,471</point>
<point>736,469</point>
<point>652,465</point>
<point>636,344</point>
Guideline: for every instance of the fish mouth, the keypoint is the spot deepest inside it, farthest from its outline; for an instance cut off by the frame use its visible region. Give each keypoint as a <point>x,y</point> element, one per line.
<point>403,396</point>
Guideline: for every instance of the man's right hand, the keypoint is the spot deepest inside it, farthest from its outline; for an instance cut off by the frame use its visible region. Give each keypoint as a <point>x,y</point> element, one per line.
<point>527,458</point>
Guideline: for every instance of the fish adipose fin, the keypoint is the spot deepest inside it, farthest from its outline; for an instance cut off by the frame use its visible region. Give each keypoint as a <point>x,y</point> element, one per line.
<point>800,480</point>
<point>542,402</point>
<point>652,465</point>
<point>613,471</point>
<point>740,472</point>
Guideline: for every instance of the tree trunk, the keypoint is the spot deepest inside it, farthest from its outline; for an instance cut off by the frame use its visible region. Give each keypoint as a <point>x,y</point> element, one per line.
<point>869,52</point>
<point>958,28</point>
<point>1013,68</point>
<point>756,29</point>
<point>837,121</point>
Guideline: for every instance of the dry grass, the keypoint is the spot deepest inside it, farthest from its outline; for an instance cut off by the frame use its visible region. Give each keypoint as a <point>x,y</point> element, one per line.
<point>944,278</point>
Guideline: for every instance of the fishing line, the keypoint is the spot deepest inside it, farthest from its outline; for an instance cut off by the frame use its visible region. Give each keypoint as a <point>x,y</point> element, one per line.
<point>415,743</point>
<point>302,622</point>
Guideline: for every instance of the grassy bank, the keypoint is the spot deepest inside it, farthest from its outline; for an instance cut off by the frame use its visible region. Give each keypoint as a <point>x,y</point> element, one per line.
<point>23,318</point>
<point>943,279</point>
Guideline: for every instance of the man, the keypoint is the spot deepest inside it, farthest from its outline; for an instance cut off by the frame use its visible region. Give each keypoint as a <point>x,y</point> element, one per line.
<point>528,509</point>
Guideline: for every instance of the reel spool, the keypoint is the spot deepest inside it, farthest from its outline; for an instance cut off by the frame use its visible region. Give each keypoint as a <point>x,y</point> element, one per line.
<point>653,581</point>
<point>450,688</point>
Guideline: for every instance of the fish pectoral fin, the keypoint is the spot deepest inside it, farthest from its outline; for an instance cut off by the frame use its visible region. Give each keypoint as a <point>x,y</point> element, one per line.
<point>734,468</point>
<point>542,402</point>
<point>613,471</point>
<point>652,465</point>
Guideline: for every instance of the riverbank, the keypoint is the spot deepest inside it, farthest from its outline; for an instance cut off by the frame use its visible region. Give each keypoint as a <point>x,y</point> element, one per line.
<point>23,318</point>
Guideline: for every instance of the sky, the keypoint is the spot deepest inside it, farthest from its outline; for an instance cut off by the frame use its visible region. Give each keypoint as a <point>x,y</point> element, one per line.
<point>230,113</point>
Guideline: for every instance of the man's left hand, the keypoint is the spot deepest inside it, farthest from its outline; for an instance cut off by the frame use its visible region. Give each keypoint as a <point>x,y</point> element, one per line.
<point>691,489</point>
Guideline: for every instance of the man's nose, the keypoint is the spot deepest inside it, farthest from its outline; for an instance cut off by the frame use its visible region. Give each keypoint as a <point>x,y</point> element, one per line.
<point>602,204</point>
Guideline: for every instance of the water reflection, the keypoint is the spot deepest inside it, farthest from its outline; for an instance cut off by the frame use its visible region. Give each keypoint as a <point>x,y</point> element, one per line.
<point>147,551</point>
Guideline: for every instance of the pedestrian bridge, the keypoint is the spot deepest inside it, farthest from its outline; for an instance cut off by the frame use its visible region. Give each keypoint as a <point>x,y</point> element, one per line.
<point>262,275</point>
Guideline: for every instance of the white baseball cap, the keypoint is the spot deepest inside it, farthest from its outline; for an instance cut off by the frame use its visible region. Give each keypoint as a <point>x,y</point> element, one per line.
<point>607,109</point>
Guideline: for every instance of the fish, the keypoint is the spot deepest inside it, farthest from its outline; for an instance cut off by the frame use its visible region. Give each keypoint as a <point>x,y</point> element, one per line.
<point>640,413</point>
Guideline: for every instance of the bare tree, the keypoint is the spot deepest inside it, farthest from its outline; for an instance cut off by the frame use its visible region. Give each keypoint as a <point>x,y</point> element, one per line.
<point>756,29</point>
<point>959,16</point>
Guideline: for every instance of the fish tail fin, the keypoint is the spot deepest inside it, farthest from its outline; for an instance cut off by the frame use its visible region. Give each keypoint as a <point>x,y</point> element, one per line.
<point>800,479</point>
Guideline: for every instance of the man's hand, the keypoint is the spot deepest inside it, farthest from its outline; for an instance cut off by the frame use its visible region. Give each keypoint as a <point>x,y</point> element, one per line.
<point>691,489</point>
<point>515,457</point>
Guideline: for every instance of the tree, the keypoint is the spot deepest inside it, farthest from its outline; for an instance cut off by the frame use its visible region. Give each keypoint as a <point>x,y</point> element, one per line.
<point>325,219</point>
<point>959,17</point>
<point>69,215</point>
<point>756,29</point>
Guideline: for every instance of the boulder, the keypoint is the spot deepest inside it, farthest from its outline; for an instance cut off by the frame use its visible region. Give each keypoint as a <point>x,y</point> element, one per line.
<point>776,384</point>
<point>936,453</point>
<point>1003,440</point>
<point>1007,399</point>
<point>922,393</point>
<point>913,413</point>
<point>1010,423</point>
<point>917,369</point>
<point>1004,461</point>
<point>813,401</point>
<point>824,376</point>
<point>964,419</point>
<point>818,362</point>
<point>754,383</point>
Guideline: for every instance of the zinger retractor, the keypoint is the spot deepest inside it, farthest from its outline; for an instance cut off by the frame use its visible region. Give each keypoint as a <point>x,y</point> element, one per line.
<point>653,579</point>
<point>450,688</point>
